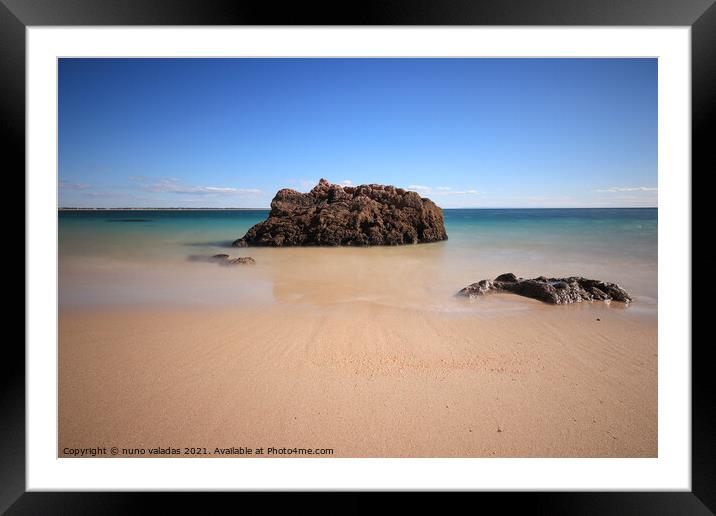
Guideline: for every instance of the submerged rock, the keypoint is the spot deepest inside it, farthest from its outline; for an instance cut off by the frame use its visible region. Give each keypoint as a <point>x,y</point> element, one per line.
<point>243,260</point>
<point>334,215</point>
<point>222,259</point>
<point>558,291</point>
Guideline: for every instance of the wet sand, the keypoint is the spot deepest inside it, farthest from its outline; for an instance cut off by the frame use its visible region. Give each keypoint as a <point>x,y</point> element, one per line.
<point>507,377</point>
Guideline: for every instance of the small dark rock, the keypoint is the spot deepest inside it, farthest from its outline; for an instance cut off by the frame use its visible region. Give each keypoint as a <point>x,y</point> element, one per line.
<point>222,259</point>
<point>507,277</point>
<point>558,291</point>
<point>244,260</point>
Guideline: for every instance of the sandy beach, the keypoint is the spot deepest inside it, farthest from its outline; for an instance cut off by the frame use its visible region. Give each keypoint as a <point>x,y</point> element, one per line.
<point>364,379</point>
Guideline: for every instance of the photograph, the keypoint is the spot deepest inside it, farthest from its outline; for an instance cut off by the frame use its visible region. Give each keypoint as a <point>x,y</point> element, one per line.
<point>357,257</point>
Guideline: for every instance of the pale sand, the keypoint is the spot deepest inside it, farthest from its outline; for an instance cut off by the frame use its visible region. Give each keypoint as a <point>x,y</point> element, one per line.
<point>364,378</point>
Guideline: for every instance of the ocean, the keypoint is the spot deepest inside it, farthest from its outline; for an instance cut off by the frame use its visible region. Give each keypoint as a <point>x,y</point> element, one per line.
<point>130,257</point>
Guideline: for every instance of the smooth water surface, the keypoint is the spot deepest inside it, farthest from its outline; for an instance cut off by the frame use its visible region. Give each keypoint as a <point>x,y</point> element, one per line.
<point>143,256</point>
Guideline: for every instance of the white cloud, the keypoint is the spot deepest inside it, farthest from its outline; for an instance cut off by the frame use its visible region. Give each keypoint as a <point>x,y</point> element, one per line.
<point>463,192</point>
<point>173,185</point>
<point>441,190</point>
<point>217,189</point>
<point>73,186</point>
<point>615,189</point>
<point>97,194</point>
<point>346,182</point>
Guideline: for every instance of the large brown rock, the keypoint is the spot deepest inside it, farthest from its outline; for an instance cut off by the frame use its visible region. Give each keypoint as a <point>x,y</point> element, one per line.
<point>558,291</point>
<point>333,215</point>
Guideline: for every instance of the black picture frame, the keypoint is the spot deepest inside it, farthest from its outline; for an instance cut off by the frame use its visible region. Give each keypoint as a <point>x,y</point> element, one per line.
<point>700,15</point>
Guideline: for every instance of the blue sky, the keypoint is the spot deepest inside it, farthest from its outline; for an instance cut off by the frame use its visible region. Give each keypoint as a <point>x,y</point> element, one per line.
<point>464,132</point>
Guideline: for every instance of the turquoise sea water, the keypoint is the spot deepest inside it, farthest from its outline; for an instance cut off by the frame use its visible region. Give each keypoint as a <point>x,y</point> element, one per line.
<point>107,256</point>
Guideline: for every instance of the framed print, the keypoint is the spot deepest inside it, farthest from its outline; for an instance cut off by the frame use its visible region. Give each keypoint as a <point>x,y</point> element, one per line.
<point>446,249</point>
